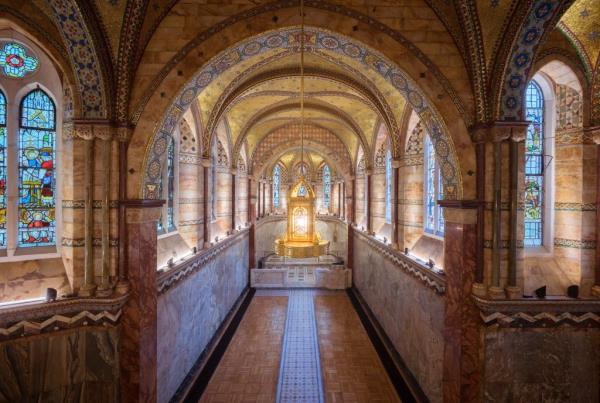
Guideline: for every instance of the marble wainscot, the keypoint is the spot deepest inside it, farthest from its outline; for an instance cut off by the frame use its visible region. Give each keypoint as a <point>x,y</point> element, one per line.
<point>407,299</point>
<point>61,351</point>
<point>194,299</point>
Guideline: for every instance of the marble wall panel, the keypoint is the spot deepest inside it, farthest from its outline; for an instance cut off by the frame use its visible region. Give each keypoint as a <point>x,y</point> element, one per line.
<point>29,279</point>
<point>411,314</point>
<point>267,231</point>
<point>80,365</point>
<point>336,233</point>
<point>190,313</point>
<point>542,365</point>
<point>361,219</point>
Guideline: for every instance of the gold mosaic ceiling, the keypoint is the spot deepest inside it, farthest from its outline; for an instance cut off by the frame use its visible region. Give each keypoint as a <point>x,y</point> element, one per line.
<point>583,21</point>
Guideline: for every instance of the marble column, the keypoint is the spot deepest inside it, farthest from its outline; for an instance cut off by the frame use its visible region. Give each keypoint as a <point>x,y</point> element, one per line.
<point>344,200</point>
<point>206,202</point>
<point>339,206</point>
<point>264,197</point>
<point>233,201</point>
<point>139,320</point>
<point>595,134</point>
<point>104,289</point>
<point>394,201</point>
<point>500,134</point>
<point>123,134</point>
<point>462,366</point>
<point>368,180</point>
<point>89,287</point>
<point>252,221</point>
<point>353,211</point>
<point>479,135</point>
<point>516,154</point>
<point>259,195</point>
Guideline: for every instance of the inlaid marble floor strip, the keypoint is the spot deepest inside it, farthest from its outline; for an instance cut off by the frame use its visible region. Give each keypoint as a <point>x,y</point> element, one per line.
<point>300,369</point>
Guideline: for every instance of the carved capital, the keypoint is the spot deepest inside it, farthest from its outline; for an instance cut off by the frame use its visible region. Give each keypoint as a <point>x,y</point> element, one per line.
<point>205,162</point>
<point>396,163</point>
<point>513,130</point>
<point>593,133</point>
<point>480,133</point>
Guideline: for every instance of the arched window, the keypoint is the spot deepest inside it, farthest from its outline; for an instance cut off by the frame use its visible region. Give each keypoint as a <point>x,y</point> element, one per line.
<point>166,223</point>
<point>3,168</point>
<point>388,187</point>
<point>37,202</point>
<point>276,184</point>
<point>534,166</point>
<point>326,186</point>
<point>434,219</point>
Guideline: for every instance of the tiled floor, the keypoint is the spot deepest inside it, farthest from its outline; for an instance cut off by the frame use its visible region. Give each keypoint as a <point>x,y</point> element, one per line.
<point>249,369</point>
<point>350,366</point>
<point>350,369</point>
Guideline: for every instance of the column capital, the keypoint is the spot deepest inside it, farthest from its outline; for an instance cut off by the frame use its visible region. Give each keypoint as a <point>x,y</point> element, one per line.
<point>88,129</point>
<point>593,132</point>
<point>396,163</point>
<point>513,130</point>
<point>205,162</point>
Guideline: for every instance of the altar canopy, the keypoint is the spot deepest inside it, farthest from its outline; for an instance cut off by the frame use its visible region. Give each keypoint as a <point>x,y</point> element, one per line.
<point>301,239</point>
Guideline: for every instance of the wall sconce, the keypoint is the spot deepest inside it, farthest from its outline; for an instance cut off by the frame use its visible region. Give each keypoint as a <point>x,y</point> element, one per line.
<point>431,263</point>
<point>216,239</point>
<point>194,250</point>
<point>170,263</point>
<point>50,294</point>
<point>406,251</point>
<point>384,240</point>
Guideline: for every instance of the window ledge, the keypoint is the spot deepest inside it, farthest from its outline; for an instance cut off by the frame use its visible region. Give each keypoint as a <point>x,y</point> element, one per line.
<point>163,235</point>
<point>35,253</point>
<point>538,251</point>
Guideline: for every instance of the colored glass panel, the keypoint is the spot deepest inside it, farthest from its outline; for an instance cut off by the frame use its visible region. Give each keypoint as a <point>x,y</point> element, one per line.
<point>15,62</point>
<point>534,166</point>
<point>326,186</point>
<point>37,201</point>
<point>434,217</point>
<point>276,184</point>
<point>302,191</point>
<point>388,187</point>
<point>3,172</point>
<point>171,185</point>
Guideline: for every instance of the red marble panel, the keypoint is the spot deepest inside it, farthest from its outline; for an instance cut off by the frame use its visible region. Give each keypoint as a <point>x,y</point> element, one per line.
<point>138,348</point>
<point>462,365</point>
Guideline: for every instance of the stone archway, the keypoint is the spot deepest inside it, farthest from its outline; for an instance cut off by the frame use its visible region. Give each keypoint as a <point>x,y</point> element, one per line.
<point>339,44</point>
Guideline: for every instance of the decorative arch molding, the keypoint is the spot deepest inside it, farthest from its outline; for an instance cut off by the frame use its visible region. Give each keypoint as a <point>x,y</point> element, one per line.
<point>539,20</point>
<point>369,59</point>
<point>287,105</point>
<point>285,135</point>
<point>584,58</point>
<point>362,85</point>
<point>50,44</point>
<point>323,6</point>
<point>84,58</point>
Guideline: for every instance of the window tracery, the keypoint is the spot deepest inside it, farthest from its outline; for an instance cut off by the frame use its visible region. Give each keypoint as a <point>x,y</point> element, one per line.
<point>326,186</point>
<point>434,218</point>
<point>276,184</point>
<point>534,166</point>
<point>37,203</point>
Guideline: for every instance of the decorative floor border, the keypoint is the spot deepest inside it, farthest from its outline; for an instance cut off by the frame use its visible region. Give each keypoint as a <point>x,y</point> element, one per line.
<point>300,377</point>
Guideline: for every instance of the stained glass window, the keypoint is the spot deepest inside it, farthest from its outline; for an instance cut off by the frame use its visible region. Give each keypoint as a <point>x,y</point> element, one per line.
<point>276,184</point>
<point>534,166</point>
<point>326,186</point>
<point>434,219</point>
<point>2,170</point>
<point>301,191</point>
<point>388,187</point>
<point>15,62</point>
<point>171,185</point>
<point>37,224</point>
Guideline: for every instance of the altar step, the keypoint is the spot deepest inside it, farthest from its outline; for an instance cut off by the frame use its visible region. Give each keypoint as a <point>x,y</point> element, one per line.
<point>301,277</point>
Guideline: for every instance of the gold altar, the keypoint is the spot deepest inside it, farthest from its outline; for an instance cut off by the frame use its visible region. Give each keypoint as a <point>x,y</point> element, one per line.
<point>301,240</point>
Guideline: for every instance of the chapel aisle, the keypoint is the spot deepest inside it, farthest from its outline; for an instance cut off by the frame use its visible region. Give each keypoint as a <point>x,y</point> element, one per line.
<point>351,368</point>
<point>304,346</point>
<point>249,369</point>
